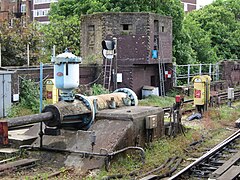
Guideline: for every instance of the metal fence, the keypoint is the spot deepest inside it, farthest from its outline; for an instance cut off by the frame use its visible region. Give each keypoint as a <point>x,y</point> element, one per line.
<point>184,73</point>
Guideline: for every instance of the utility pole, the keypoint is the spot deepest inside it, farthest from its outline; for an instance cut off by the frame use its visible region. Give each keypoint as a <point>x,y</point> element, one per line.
<point>54,51</point>
<point>28,58</point>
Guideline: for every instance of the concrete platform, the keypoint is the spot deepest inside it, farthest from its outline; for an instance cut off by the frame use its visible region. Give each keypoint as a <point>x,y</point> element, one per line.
<point>114,129</point>
<point>18,138</point>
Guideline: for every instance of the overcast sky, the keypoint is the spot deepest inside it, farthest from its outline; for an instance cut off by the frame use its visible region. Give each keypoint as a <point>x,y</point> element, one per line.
<point>204,2</point>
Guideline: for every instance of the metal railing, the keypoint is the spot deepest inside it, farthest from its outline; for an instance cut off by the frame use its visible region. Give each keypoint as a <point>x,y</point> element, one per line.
<point>184,73</point>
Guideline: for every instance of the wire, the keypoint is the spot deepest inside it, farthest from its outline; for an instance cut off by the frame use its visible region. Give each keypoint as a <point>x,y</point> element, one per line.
<point>94,80</point>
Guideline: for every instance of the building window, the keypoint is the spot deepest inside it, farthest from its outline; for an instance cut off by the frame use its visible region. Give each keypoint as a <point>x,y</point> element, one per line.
<point>91,36</point>
<point>44,1</point>
<point>156,27</point>
<point>163,29</point>
<point>126,27</point>
<point>23,8</point>
<point>91,28</point>
<point>41,12</point>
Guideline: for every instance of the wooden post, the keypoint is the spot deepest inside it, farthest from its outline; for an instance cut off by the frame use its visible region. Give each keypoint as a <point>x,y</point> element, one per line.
<point>3,133</point>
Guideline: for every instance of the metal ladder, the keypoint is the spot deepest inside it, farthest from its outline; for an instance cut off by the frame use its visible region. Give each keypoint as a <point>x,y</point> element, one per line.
<point>161,70</point>
<point>107,73</point>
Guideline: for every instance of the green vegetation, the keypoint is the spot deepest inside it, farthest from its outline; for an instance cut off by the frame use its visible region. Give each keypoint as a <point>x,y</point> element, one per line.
<point>156,154</point>
<point>29,100</point>
<point>14,40</point>
<point>214,31</point>
<point>204,36</point>
<point>223,116</point>
<point>98,89</point>
<point>157,101</point>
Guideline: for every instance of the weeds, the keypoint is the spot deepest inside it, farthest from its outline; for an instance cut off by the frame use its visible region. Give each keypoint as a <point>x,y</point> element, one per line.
<point>157,101</point>
<point>29,100</point>
<point>99,89</point>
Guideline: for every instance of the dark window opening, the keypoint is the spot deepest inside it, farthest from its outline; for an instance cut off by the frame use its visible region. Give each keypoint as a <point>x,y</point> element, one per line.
<point>163,29</point>
<point>91,28</point>
<point>125,27</point>
<point>156,27</point>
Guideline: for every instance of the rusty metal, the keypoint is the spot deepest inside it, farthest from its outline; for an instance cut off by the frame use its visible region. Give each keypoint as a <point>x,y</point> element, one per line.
<point>30,119</point>
<point>3,133</point>
<point>104,100</point>
<point>102,153</point>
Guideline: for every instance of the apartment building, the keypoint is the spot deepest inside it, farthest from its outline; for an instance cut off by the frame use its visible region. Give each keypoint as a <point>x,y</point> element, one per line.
<point>40,10</point>
<point>189,5</point>
<point>10,9</point>
<point>32,9</point>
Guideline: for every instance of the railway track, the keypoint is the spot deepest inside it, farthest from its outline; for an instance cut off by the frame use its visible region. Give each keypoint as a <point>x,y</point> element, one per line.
<point>221,162</point>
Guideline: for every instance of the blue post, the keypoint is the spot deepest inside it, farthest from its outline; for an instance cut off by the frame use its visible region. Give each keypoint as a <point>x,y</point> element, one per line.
<point>41,86</point>
<point>40,109</point>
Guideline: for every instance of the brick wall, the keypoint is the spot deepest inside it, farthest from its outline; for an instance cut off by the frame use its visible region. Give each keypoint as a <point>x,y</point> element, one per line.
<point>135,32</point>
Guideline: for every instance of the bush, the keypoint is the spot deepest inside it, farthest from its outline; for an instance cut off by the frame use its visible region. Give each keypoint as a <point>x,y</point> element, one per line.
<point>29,100</point>
<point>98,89</point>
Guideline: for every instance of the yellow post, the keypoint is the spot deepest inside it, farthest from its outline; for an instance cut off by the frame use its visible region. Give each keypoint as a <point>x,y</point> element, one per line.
<point>201,93</point>
<point>51,92</point>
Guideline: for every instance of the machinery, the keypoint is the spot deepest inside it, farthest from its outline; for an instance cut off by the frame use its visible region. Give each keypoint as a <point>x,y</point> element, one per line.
<point>74,111</point>
<point>102,125</point>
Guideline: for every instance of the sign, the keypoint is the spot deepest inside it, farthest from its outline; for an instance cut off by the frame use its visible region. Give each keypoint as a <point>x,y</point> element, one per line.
<point>109,54</point>
<point>168,74</point>
<point>197,93</point>
<point>119,77</point>
<point>59,74</point>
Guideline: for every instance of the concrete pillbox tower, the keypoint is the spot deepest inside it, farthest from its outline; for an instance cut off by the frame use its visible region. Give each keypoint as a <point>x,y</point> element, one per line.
<point>142,39</point>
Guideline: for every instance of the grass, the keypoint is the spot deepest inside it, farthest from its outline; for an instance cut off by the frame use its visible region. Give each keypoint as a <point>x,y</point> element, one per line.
<point>156,154</point>
<point>157,101</point>
<point>18,110</point>
<point>212,127</point>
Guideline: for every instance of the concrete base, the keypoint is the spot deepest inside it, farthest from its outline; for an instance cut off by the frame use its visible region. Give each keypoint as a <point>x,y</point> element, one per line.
<point>19,137</point>
<point>120,128</point>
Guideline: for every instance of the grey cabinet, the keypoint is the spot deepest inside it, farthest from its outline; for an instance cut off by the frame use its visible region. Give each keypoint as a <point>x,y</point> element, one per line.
<point>5,92</point>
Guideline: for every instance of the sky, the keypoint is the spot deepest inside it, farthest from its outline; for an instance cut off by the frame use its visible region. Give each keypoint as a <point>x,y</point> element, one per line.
<point>204,2</point>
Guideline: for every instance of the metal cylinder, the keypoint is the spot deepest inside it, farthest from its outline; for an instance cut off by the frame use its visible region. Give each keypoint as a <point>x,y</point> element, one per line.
<point>30,119</point>
<point>80,113</point>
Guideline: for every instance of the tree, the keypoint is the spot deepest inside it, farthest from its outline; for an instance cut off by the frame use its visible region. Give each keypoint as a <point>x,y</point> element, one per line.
<point>221,22</point>
<point>74,8</point>
<point>14,40</point>
<point>62,32</point>
<point>200,42</point>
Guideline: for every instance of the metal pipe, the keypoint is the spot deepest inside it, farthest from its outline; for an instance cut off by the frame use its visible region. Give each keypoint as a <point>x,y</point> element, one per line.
<point>87,153</point>
<point>30,119</point>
